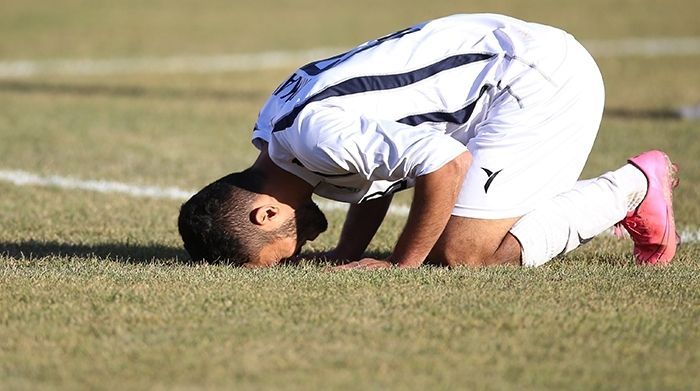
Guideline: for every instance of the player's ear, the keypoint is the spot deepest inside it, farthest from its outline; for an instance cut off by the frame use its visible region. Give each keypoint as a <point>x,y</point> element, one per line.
<point>265,214</point>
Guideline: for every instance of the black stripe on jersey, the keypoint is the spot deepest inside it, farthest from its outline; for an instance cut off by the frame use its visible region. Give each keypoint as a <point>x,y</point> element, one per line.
<point>312,69</point>
<point>458,117</point>
<point>381,82</point>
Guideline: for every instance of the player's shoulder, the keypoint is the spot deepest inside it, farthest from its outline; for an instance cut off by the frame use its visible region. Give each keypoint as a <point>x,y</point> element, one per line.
<point>319,122</point>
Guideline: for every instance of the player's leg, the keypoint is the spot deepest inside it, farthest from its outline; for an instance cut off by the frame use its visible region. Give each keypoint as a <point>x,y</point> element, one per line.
<point>532,146</point>
<point>525,163</point>
<point>476,242</point>
<point>638,196</point>
<point>574,217</point>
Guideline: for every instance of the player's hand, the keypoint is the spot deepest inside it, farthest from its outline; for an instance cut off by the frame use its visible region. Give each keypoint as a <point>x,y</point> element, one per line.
<point>365,264</point>
<point>332,256</point>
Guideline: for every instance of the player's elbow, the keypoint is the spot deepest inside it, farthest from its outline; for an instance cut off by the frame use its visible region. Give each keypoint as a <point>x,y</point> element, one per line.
<point>464,160</point>
<point>460,164</point>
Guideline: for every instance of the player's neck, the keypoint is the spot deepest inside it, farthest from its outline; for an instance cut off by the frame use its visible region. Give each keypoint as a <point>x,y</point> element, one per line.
<point>281,184</point>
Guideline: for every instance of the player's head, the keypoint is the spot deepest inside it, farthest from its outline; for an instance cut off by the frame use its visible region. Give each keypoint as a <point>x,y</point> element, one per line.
<point>233,220</point>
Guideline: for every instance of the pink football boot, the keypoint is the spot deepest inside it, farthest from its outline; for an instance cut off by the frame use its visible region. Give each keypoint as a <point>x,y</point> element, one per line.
<point>651,225</point>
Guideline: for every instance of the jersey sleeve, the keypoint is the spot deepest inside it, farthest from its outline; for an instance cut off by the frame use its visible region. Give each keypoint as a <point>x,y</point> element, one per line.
<point>330,142</point>
<point>262,130</point>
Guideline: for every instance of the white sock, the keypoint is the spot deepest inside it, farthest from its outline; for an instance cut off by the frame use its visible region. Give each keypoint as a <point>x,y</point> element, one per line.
<point>576,216</point>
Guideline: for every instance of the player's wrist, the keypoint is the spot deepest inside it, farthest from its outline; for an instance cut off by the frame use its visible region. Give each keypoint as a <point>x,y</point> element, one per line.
<point>409,265</point>
<point>403,262</point>
<point>346,253</point>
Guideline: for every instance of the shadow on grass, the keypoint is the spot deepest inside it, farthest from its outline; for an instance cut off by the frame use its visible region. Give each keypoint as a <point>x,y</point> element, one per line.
<point>143,91</point>
<point>144,254</point>
<point>318,258</point>
<point>119,252</point>
<point>658,114</point>
<point>134,254</point>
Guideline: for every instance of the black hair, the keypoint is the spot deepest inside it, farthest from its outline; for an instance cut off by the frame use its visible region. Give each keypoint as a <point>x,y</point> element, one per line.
<point>215,224</point>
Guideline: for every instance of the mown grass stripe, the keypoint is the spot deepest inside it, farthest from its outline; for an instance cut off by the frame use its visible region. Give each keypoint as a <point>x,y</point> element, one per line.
<point>628,47</point>
<point>25,178</point>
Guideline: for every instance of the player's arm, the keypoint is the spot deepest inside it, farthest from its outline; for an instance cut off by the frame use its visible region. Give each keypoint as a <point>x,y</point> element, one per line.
<point>361,224</point>
<point>388,150</point>
<point>434,197</point>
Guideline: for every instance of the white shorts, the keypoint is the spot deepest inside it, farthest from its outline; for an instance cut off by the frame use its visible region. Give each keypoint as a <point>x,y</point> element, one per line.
<point>537,134</point>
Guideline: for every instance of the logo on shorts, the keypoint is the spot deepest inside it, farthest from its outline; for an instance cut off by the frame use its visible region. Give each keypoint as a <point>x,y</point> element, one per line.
<point>491,175</point>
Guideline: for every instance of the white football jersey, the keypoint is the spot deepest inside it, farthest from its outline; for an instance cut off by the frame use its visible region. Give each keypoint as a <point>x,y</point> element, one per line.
<point>368,122</point>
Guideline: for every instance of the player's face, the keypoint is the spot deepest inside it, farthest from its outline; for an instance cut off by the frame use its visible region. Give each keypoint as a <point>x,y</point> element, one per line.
<point>309,222</point>
<point>304,225</point>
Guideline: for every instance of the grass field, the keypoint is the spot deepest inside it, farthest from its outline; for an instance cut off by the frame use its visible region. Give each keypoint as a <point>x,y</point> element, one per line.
<point>94,293</point>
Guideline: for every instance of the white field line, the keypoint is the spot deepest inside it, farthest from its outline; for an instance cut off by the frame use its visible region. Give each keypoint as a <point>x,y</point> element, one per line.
<point>24,178</point>
<point>162,65</point>
<point>646,47</point>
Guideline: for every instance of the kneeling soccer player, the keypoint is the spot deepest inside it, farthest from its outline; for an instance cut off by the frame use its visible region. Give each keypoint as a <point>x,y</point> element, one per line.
<point>490,118</point>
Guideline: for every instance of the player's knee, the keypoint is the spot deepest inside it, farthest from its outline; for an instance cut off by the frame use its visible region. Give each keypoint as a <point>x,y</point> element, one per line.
<point>471,260</point>
<point>453,257</point>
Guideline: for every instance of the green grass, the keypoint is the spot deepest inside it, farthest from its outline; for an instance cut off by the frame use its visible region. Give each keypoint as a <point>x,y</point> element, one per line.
<point>94,293</point>
<point>111,324</point>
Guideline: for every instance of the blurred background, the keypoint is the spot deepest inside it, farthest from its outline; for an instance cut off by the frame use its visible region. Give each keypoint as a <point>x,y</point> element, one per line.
<point>113,112</point>
<point>166,92</point>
